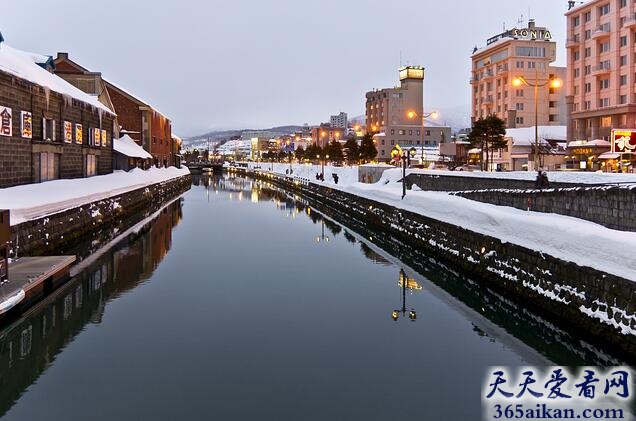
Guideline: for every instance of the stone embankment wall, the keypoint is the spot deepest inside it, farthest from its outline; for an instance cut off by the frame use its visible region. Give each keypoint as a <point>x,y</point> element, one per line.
<point>597,305</point>
<point>449,183</point>
<point>610,206</point>
<point>57,231</point>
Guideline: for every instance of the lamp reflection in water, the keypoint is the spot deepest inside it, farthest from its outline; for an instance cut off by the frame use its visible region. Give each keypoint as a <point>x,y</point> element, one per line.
<point>322,238</point>
<point>410,284</point>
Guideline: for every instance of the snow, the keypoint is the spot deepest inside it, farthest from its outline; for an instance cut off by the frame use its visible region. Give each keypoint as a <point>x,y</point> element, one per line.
<point>33,201</point>
<point>525,135</point>
<point>571,239</point>
<point>22,65</point>
<point>127,146</point>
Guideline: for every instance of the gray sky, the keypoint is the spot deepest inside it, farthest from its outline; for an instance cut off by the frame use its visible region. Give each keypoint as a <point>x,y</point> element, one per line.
<point>237,64</point>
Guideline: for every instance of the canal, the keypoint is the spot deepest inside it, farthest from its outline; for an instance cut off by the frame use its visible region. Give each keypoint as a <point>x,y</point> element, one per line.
<point>241,302</point>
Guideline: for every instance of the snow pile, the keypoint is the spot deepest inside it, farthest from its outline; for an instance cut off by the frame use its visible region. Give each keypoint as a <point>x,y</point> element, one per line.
<point>22,65</point>
<point>33,201</point>
<point>126,145</point>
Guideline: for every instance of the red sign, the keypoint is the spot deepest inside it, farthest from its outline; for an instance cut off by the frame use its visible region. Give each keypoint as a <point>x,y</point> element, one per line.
<point>624,141</point>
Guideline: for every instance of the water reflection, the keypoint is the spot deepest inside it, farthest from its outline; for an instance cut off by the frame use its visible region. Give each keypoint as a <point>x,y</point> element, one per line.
<point>405,283</point>
<point>29,345</point>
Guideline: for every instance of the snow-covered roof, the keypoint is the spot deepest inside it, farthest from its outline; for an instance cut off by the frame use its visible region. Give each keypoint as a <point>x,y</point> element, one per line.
<point>23,65</point>
<point>126,145</point>
<point>597,143</point>
<point>525,135</point>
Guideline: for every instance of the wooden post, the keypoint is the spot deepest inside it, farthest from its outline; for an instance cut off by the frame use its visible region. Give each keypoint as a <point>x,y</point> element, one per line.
<point>5,238</point>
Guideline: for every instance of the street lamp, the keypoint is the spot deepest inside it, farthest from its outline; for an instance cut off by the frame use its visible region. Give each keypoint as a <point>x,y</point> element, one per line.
<point>552,82</point>
<point>405,156</point>
<point>404,283</point>
<point>412,115</point>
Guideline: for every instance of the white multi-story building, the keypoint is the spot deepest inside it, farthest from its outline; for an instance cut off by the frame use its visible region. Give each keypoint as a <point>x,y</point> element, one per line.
<point>339,121</point>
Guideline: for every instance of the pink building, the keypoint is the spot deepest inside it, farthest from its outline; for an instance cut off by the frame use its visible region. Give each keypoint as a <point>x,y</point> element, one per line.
<point>601,85</point>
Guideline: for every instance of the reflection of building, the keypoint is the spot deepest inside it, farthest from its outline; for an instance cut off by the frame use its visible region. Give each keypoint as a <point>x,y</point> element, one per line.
<point>5,238</point>
<point>28,347</point>
<point>525,52</point>
<point>387,113</point>
<point>601,50</point>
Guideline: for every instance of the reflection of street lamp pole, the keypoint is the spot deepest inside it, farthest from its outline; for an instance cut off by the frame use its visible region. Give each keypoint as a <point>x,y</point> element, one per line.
<point>413,114</point>
<point>322,237</point>
<point>553,83</point>
<point>395,314</point>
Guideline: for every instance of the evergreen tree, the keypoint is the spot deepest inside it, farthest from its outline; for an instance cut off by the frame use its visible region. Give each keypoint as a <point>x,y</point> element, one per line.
<point>488,134</point>
<point>300,153</point>
<point>334,150</point>
<point>352,150</point>
<point>368,151</point>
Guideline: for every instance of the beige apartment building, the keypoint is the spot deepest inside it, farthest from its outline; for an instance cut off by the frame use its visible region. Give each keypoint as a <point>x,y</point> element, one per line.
<point>526,54</point>
<point>601,82</point>
<point>394,115</point>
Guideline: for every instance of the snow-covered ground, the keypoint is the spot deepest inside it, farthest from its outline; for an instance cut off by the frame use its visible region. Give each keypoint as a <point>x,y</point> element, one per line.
<point>582,242</point>
<point>34,201</point>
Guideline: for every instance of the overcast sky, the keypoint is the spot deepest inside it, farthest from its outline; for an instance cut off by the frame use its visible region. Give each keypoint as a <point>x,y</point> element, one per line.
<point>259,63</point>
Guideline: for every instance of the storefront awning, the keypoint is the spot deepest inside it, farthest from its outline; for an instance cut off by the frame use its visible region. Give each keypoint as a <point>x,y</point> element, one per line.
<point>609,155</point>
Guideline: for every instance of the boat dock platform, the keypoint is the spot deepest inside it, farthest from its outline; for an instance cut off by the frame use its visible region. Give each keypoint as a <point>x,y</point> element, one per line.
<point>30,278</point>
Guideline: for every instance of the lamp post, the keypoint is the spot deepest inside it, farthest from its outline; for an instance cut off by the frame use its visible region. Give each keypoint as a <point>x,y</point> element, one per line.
<point>536,84</point>
<point>395,314</point>
<point>322,237</point>
<point>413,114</point>
<point>405,156</point>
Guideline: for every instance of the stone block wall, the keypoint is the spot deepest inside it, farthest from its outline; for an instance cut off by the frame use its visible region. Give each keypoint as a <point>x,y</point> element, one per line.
<point>434,182</point>
<point>17,165</point>
<point>61,230</point>
<point>611,206</point>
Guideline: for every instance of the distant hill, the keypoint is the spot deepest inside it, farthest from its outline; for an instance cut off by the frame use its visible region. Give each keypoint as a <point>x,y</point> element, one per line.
<point>217,136</point>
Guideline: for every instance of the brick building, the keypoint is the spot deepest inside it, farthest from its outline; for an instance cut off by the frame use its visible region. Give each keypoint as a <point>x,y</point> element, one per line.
<point>144,124</point>
<point>49,129</point>
<point>151,129</point>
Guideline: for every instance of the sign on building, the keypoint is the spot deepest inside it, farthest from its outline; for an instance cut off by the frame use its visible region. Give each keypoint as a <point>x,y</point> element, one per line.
<point>624,141</point>
<point>97,136</point>
<point>6,126</point>
<point>79,135</point>
<point>27,125</point>
<point>103,137</point>
<point>68,132</point>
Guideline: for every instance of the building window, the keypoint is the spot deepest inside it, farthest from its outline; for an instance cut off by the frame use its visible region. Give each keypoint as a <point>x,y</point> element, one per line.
<point>587,87</point>
<point>382,142</point>
<point>588,105</point>
<point>520,65</point>
<point>605,47</point>
<point>519,106</point>
<point>382,152</point>
<point>401,132</point>
<point>417,133</point>
<point>154,140</point>
<point>603,102</point>
<point>623,99</point>
<point>552,104</point>
<point>623,3</point>
<point>519,120</point>
<point>588,69</point>
<point>623,80</point>
<point>604,84</point>
<point>576,55</point>
<point>606,121</point>
<point>48,129</point>
<point>588,34</point>
<point>588,51</point>
<point>577,72</point>
<point>623,60</point>
<point>532,65</point>
<point>576,21</point>
<point>623,41</point>
<point>604,10</point>
<point>392,142</point>
<point>427,132</point>
<point>519,92</point>
<point>587,16</point>
<point>552,117</point>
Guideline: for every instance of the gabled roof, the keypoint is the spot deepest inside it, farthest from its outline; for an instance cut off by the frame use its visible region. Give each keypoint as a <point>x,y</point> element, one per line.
<point>133,98</point>
<point>22,64</point>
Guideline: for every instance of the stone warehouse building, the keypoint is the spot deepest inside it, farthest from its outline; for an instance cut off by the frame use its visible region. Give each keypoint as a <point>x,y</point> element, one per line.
<point>49,129</point>
<point>148,127</point>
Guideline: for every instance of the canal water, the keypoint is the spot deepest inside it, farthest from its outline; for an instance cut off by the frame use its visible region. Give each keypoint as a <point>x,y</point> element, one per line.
<point>241,302</point>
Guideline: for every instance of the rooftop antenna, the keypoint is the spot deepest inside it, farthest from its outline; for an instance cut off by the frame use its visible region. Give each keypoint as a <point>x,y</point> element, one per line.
<point>521,21</point>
